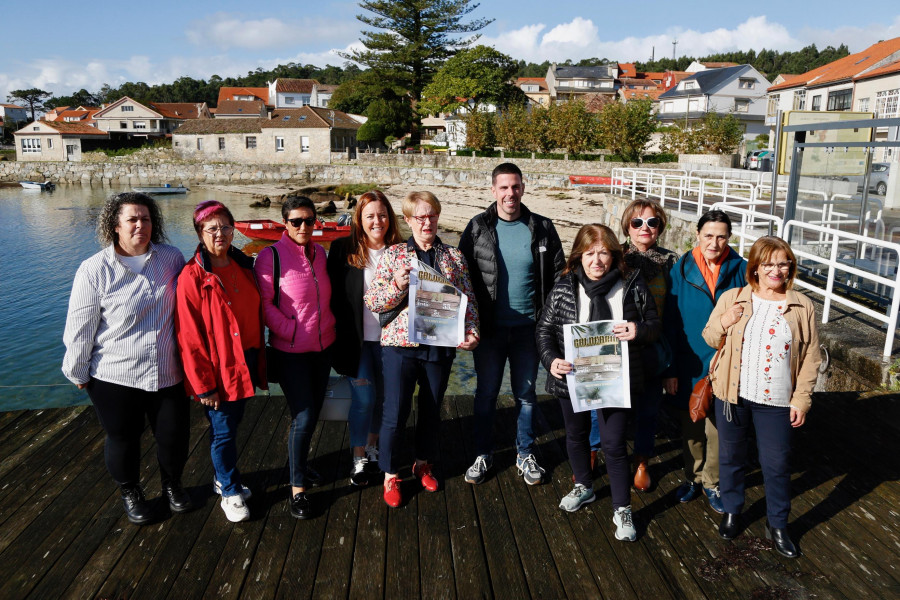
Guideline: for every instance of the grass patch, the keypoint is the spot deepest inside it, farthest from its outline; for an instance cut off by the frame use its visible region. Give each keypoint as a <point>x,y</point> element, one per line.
<point>8,155</point>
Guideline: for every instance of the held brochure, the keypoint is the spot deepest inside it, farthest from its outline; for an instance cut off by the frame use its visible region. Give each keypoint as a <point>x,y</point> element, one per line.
<point>599,378</point>
<point>437,310</point>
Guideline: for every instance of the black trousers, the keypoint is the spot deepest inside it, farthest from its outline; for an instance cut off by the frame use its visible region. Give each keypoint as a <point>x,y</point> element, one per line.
<point>122,410</point>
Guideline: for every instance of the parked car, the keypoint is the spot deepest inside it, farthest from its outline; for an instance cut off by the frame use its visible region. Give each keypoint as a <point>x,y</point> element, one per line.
<point>752,160</point>
<point>878,178</point>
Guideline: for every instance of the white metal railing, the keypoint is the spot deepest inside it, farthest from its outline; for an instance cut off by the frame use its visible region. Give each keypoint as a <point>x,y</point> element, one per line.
<point>748,226</point>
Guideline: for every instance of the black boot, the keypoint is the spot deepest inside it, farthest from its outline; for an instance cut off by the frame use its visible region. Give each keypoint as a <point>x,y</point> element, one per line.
<point>729,527</point>
<point>783,544</point>
<point>179,499</point>
<point>137,508</point>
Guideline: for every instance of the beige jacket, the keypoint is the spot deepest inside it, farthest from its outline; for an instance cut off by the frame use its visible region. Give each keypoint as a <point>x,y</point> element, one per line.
<point>805,353</point>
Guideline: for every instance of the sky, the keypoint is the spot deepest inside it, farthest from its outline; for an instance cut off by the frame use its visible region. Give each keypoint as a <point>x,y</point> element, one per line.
<point>62,47</point>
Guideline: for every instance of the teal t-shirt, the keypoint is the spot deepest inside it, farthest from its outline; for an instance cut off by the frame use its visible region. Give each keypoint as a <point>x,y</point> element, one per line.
<point>515,284</point>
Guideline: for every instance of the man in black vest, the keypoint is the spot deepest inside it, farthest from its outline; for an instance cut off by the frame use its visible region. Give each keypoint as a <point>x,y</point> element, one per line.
<point>515,257</point>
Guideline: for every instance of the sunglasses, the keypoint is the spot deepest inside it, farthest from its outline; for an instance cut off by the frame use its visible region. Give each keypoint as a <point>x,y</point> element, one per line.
<point>308,221</point>
<point>652,222</point>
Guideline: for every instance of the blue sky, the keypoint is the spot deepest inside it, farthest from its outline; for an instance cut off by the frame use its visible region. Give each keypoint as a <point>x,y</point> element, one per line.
<point>64,46</point>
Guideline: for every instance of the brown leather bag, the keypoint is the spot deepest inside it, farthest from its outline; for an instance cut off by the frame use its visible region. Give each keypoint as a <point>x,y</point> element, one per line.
<point>701,396</point>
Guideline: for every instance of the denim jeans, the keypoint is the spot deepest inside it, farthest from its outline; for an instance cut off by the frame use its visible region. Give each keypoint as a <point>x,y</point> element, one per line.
<point>773,437</point>
<point>223,424</point>
<point>304,380</point>
<point>367,395</point>
<point>518,345</point>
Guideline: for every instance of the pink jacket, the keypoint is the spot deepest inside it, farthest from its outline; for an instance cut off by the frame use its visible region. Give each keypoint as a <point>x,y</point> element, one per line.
<point>302,321</point>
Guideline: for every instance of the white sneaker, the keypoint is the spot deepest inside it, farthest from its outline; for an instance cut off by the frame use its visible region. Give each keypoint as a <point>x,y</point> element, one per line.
<point>528,468</point>
<point>578,497</point>
<point>245,491</point>
<point>625,530</point>
<point>235,509</point>
<point>477,472</point>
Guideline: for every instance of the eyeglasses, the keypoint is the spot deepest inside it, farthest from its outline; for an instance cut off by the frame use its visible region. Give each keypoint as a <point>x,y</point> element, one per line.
<point>308,221</point>
<point>224,230</point>
<point>423,219</point>
<point>782,266</point>
<point>638,222</point>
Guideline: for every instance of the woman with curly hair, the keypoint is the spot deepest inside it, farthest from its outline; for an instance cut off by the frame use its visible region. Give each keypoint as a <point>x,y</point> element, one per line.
<point>120,347</point>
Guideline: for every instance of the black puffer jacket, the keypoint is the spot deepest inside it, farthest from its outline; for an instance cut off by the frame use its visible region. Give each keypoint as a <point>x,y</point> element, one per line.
<point>480,247</point>
<point>562,308</point>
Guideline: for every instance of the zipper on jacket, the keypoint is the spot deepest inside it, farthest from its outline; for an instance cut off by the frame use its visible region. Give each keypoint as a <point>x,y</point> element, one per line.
<point>318,300</point>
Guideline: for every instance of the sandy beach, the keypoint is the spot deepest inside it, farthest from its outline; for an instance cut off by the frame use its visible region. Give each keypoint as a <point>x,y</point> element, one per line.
<point>569,208</point>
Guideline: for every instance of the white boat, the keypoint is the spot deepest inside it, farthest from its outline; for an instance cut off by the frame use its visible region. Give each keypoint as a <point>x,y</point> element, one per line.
<point>36,185</point>
<point>161,189</point>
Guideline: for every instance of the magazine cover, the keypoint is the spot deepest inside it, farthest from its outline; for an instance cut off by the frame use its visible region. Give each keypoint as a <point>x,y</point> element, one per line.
<point>437,310</point>
<point>599,378</point>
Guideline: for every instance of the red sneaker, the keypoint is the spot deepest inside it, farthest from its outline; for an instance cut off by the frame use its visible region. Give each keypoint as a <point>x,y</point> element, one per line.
<point>423,474</point>
<point>392,496</point>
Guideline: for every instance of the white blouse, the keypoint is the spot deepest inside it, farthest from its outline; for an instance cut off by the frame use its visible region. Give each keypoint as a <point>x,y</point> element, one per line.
<point>766,355</point>
<point>371,325</point>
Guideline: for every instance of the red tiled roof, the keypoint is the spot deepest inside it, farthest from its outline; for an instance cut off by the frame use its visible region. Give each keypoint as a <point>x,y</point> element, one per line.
<point>12,106</point>
<point>74,128</point>
<point>309,117</point>
<point>848,67</point>
<point>177,110</point>
<point>627,70</point>
<point>641,94</point>
<point>295,86</point>
<point>893,67</point>
<point>540,81</point>
<point>228,93</point>
<point>718,65</point>
<point>83,115</point>
<point>240,107</point>
<point>327,88</point>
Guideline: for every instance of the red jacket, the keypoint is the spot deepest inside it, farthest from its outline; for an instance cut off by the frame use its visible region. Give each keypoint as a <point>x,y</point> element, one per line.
<point>208,336</point>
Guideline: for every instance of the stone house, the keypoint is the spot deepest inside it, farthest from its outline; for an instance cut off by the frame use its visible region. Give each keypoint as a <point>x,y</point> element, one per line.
<point>56,140</point>
<point>307,134</point>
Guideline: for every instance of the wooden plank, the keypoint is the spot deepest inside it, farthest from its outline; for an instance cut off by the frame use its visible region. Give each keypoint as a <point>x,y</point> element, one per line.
<point>469,563</point>
<point>44,429</point>
<point>370,551</point>
<point>8,418</point>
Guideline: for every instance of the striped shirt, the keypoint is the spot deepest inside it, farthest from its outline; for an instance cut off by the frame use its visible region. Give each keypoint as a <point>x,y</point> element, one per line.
<point>120,327</point>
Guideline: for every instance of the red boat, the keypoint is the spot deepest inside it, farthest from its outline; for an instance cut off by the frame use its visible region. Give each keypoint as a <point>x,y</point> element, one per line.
<point>267,229</point>
<point>592,180</point>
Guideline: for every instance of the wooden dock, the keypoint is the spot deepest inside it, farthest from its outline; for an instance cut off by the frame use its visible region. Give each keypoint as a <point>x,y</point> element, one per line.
<point>63,533</point>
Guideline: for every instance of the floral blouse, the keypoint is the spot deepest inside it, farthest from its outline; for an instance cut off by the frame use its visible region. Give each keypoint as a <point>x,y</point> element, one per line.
<point>766,355</point>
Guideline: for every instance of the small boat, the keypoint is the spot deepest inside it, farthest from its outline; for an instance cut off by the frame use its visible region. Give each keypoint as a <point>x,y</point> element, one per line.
<point>36,185</point>
<point>593,180</point>
<point>161,189</point>
<point>267,229</point>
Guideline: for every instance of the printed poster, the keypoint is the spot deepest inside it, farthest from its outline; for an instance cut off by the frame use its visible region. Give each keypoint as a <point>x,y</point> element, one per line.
<point>599,378</point>
<point>437,309</point>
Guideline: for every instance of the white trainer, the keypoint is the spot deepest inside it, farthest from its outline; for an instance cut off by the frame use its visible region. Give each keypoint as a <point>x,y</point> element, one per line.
<point>235,509</point>
<point>245,491</point>
<point>625,530</point>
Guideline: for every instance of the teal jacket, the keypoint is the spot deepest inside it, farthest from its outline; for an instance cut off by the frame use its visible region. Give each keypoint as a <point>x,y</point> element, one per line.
<point>688,306</point>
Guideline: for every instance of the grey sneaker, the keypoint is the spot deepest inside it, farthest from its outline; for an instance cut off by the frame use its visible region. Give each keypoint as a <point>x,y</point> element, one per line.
<point>528,468</point>
<point>475,474</point>
<point>625,530</point>
<point>578,497</point>
<point>245,491</point>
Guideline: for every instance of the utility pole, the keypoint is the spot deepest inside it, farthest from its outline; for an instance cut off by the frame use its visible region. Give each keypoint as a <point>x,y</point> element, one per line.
<point>674,45</point>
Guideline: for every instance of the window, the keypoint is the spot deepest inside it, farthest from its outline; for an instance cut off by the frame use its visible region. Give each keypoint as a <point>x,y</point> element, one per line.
<point>840,100</point>
<point>746,84</point>
<point>886,103</point>
<point>221,143</point>
<point>817,103</point>
<point>199,143</point>
<point>49,143</point>
<point>31,145</point>
<point>863,105</point>
<point>690,85</point>
<point>693,105</point>
<point>123,124</point>
<point>127,108</point>
<point>741,105</point>
<point>279,144</point>
<point>668,107</point>
<point>772,105</point>
<point>251,142</point>
<point>304,144</point>
<point>140,124</point>
<point>288,99</point>
<point>800,100</point>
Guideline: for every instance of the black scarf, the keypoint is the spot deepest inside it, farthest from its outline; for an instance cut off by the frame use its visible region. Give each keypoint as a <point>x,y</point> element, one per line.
<point>597,291</point>
<point>651,263</point>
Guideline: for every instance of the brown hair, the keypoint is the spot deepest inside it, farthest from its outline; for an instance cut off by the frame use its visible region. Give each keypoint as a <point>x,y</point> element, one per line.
<point>359,253</point>
<point>762,250</point>
<point>589,235</point>
<point>638,206</point>
<point>409,203</point>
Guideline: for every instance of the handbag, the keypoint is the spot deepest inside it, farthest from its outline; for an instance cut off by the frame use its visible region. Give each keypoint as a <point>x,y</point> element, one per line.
<point>273,356</point>
<point>385,318</point>
<point>701,395</point>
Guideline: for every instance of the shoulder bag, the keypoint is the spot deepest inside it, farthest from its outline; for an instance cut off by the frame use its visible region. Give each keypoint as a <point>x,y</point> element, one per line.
<point>273,364</point>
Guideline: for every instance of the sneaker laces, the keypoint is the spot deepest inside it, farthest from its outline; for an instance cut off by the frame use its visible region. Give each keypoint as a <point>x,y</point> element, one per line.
<point>529,463</point>
<point>390,484</point>
<point>715,490</point>
<point>480,465</point>
<point>359,464</point>
<point>625,516</point>
<point>372,453</point>
<point>577,491</point>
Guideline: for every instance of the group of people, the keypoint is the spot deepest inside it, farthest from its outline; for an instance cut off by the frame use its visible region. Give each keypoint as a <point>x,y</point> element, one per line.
<point>145,330</point>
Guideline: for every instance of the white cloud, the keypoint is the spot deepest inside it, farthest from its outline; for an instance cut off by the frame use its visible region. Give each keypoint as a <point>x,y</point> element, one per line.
<point>856,38</point>
<point>225,31</point>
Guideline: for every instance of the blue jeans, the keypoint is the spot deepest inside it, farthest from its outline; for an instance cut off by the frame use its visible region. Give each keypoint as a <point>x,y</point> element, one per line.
<point>304,380</point>
<point>223,424</point>
<point>517,344</point>
<point>773,437</point>
<point>367,395</point>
